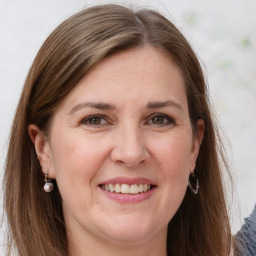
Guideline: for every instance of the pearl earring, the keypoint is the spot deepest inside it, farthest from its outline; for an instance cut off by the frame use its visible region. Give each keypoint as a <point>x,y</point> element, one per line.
<point>48,186</point>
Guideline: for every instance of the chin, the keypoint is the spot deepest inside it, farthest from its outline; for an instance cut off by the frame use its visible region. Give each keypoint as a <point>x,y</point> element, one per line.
<point>128,229</point>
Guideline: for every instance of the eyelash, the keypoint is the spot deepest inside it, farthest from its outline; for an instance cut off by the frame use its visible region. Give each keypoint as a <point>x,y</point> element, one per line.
<point>166,119</point>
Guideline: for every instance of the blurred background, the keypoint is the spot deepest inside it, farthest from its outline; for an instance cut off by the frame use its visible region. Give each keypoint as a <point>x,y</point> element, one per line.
<point>223,34</point>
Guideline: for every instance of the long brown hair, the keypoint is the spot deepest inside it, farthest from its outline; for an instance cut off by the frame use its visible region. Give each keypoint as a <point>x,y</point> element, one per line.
<point>201,226</point>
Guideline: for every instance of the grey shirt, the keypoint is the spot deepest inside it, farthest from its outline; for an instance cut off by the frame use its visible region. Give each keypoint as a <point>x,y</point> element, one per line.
<point>246,236</point>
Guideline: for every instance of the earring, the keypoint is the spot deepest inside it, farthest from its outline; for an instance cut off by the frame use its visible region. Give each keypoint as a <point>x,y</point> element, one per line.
<point>195,180</point>
<point>48,186</point>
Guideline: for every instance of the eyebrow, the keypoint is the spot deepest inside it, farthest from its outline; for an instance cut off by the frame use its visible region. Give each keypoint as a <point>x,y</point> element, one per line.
<point>96,105</point>
<point>162,104</point>
<point>106,106</point>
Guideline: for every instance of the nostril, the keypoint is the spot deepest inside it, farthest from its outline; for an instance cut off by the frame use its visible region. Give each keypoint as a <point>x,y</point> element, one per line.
<point>129,163</point>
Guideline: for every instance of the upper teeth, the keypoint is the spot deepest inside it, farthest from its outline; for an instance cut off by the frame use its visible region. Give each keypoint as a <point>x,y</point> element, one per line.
<point>126,189</point>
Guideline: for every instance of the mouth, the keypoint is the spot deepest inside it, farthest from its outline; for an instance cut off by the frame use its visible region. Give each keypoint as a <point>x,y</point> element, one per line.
<point>129,189</point>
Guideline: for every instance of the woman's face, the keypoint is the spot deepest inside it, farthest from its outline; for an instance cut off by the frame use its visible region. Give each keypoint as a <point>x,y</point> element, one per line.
<point>121,147</point>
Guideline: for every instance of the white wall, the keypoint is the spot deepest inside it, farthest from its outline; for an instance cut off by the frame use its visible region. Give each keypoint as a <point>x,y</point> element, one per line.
<point>223,34</point>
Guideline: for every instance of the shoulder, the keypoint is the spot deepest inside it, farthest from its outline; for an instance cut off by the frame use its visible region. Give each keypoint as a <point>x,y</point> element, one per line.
<point>246,236</point>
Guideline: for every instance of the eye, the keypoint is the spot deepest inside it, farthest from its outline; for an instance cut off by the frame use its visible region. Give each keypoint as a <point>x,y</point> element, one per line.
<point>161,119</point>
<point>94,121</point>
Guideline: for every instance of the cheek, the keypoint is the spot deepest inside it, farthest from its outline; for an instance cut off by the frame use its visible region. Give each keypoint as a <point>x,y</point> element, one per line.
<point>173,160</point>
<point>76,160</point>
<point>76,163</point>
<point>174,155</point>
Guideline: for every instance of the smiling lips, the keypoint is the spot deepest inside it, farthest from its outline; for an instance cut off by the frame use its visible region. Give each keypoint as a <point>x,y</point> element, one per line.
<point>128,190</point>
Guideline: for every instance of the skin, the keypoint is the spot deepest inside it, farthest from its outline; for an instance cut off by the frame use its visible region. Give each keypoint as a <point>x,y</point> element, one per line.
<point>127,140</point>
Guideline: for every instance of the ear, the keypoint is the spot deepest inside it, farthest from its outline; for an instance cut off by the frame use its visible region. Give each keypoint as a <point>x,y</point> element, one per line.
<point>42,148</point>
<point>197,139</point>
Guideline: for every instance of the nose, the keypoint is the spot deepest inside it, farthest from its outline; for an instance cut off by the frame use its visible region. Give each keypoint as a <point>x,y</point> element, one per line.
<point>130,149</point>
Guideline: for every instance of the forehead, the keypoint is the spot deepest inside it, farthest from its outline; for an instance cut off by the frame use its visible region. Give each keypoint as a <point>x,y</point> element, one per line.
<point>144,74</point>
<point>136,62</point>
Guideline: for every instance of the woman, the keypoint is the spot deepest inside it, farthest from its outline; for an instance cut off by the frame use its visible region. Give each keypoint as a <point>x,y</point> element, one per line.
<point>114,123</point>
